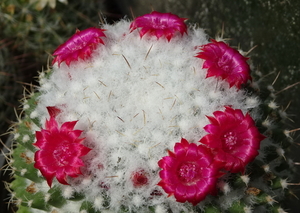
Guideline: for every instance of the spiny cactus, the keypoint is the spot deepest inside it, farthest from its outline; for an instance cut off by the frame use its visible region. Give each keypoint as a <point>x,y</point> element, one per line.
<point>7,83</point>
<point>37,28</point>
<point>150,116</point>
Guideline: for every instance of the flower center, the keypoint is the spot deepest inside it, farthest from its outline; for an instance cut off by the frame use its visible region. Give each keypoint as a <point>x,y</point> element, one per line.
<point>229,140</point>
<point>157,24</point>
<point>188,173</point>
<point>224,64</point>
<point>63,153</point>
<point>160,24</point>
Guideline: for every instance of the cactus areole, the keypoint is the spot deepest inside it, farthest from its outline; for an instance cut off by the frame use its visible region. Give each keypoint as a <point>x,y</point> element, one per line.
<point>140,116</point>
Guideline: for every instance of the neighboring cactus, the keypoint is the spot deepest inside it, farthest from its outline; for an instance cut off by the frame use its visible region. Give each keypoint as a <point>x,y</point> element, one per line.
<point>37,29</point>
<point>7,83</point>
<point>150,116</point>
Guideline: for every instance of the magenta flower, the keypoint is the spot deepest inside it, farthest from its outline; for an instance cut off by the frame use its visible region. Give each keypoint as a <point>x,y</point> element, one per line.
<point>139,178</point>
<point>53,111</point>
<point>159,24</point>
<point>80,45</point>
<point>189,173</point>
<point>234,138</point>
<point>225,62</point>
<point>60,151</point>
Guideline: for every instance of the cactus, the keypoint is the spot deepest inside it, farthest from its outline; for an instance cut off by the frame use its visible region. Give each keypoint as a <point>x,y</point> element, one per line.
<point>150,116</point>
<point>7,83</point>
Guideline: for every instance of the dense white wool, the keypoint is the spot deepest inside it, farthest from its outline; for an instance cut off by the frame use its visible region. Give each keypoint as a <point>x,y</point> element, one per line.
<point>160,209</point>
<point>224,187</point>
<point>16,136</point>
<point>23,172</point>
<point>26,138</point>
<point>67,191</point>
<point>134,100</point>
<point>245,179</point>
<point>248,209</point>
<point>70,207</point>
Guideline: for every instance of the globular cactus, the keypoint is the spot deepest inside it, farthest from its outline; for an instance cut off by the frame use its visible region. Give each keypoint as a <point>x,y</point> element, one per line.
<point>150,116</point>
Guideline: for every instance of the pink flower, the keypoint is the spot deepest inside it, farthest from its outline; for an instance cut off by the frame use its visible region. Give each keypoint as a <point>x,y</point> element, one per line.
<point>234,138</point>
<point>60,151</point>
<point>80,45</point>
<point>159,24</point>
<point>139,178</point>
<point>53,111</point>
<point>189,173</point>
<point>225,62</point>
